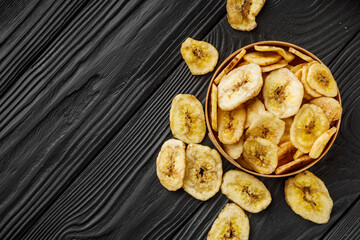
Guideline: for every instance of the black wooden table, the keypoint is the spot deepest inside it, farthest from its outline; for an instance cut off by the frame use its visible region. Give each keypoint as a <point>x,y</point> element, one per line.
<point>85,91</point>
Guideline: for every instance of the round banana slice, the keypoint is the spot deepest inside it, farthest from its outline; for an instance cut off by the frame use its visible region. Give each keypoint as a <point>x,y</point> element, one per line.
<point>320,79</point>
<point>203,171</point>
<point>214,107</point>
<point>283,93</point>
<point>170,164</point>
<point>266,126</point>
<point>286,55</point>
<point>231,125</point>
<point>330,107</point>
<point>246,191</point>
<point>262,58</point>
<point>254,107</point>
<point>231,223</point>
<point>235,150</point>
<point>286,136</point>
<point>239,85</point>
<point>241,13</point>
<point>201,57</point>
<point>187,121</point>
<point>320,143</point>
<point>308,197</point>
<point>309,123</point>
<point>261,155</point>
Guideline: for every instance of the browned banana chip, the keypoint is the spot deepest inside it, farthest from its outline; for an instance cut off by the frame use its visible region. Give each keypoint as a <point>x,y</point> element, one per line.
<point>286,136</point>
<point>285,153</point>
<point>262,58</point>
<point>280,64</point>
<point>241,13</point>
<point>300,55</point>
<point>230,66</point>
<point>293,165</point>
<point>214,107</point>
<point>286,55</point>
<point>330,106</point>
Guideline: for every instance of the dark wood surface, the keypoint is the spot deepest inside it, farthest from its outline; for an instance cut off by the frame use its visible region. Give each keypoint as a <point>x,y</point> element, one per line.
<point>85,90</point>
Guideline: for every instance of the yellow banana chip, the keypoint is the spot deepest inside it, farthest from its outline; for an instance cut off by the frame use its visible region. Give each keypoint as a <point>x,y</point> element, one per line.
<point>231,125</point>
<point>279,64</point>
<point>300,54</point>
<point>214,107</point>
<point>286,55</point>
<point>230,66</point>
<point>262,58</point>
<point>320,143</point>
<point>330,107</point>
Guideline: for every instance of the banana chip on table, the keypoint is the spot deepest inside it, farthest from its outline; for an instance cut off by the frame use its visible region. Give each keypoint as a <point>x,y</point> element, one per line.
<point>170,164</point>
<point>254,107</point>
<point>201,57</point>
<point>231,125</point>
<point>308,197</point>
<point>283,93</point>
<point>320,79</point>
<point>187,121</point>
<point>246,191</point>
<point>262,58</point>
<point>309,124</point>
<point>231,223</point>
<point>235,150</point>
<point>300,54</point>
<point>286,136</point>
<point>293,165</point>
<point>286,55</point>
<point>214,107</point>
<point>239,85</point>
<point>241,13</point>
<point>320,143</point>
<point>266,126</point>
<point>261,155</point>
<point>203,172</point>
<point>330,106</point>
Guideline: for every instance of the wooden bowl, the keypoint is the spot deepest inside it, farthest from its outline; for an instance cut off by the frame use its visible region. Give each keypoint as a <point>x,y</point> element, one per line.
<point>213,135</point>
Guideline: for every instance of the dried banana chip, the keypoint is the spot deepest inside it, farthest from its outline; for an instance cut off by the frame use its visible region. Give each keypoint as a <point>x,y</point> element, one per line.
<point>231,125</point>
<point>230,66</point>
<point>298,154</point>
<point>272,67</point>
<point>170,164</point>
<point>187,121</point>
<point>320,79</point>
<point>201,57</point>
<point>286,55</point>
<point>203,172</point>
<point>286,136</point>
<point>261,155</point>
<point>246,191</point>
<point>235,150</point>
<point>293,165</point>
<point>285,153</point>
<point>300,55</point>
<point>309,123</point>
<point>308,197</point>
<point>241,13</point>
<point>308,90</point>
<point>239,85</point>
<point>330,106</point>
<point>283,93</point>
<point>297,68</point>
<point>262,58</point>
<point>266,126</point>
<point>320,143</point>
<point>254,107</point>
<point>231,223</point>
<point>214,107</point>
<point>244,164</point>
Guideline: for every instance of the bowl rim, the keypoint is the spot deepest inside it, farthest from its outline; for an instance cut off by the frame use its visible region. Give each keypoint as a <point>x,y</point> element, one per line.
<point>211,131</point>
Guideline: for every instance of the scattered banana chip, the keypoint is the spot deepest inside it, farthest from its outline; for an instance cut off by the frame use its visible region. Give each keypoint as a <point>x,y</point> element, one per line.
<point>231,125</point>
<point>261,155</point>
<point>170,164</point>
<point>283,93</point>
<point>235,150</point>
<point>230,66</point>
<point>241,13</point>
<point>214,107</point>
<point>246,191</point>
<point>309,124</point>
<point>254,107</point>
<point>293,165</point>
<point>285,153</point>
<point>231,223</point>
<point>330,106</point>
<point>286,136</point>
<point>203,172</point>
<point>286,55</point>
<point>187,121</point>
<point>320,79</point>
<point>272,67</point>
<point>300,55</point>
<point>201,57</point>
<point>262,58</point>
<point>298,154</point>
<point>320,143</point>
<point>308,197</point>
<point>266,126</point>
<point>239,85</point>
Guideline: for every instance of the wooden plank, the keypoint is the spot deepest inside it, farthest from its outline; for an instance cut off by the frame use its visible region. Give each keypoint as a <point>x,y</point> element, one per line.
<point>118,195</point>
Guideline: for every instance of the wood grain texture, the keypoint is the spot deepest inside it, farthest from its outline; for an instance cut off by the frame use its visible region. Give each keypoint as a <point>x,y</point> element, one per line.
<point>81,126</point>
